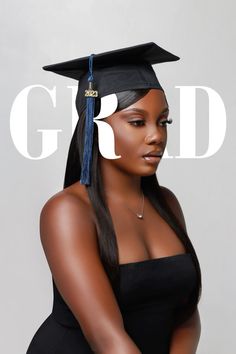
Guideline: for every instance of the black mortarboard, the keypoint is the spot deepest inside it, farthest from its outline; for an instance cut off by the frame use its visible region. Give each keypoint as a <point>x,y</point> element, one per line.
<point>110,72</point>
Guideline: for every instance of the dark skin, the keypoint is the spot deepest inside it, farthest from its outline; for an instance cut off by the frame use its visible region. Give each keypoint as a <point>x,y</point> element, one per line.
<point>69,237</point>
<point>138,129</point>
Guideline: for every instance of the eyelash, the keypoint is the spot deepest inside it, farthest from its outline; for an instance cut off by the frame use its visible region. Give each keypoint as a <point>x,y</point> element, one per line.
<point>167,121</point>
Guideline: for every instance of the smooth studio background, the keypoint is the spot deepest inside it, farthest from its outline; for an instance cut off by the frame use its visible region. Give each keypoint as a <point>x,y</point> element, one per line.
<point>34,34</point>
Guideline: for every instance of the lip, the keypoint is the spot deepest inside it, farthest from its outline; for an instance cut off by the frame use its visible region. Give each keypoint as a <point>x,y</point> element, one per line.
<point>153,156</point>
<point>154,153</point>
<point>152,159</point>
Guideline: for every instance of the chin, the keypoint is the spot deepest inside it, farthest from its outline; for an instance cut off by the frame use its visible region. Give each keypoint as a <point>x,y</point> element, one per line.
<point>148,171</point>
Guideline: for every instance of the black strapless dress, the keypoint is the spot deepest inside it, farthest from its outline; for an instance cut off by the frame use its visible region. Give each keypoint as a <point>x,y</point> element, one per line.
<point>152,293</point>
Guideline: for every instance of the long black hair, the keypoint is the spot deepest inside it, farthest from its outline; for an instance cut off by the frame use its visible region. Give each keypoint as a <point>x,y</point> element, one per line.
<point>106,235</point>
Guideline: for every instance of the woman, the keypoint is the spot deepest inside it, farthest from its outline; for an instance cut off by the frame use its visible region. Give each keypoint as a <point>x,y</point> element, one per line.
<point>126,278</point>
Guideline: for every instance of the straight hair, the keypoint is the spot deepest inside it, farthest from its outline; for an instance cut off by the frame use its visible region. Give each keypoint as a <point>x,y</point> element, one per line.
<point>105,230</point>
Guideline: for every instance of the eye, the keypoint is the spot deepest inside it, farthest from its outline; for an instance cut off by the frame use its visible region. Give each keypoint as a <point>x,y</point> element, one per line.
<point>165,122</point>
<point>137,123</point>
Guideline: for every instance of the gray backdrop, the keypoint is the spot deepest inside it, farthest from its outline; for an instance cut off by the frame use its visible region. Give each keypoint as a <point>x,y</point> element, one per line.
<point>34,34</point>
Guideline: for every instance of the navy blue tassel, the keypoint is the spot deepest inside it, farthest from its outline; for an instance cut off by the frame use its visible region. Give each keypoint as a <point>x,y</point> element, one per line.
<point>89,127</point>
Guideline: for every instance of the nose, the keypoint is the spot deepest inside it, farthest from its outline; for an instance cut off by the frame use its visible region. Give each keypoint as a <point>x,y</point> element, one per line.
<point>155,136</point>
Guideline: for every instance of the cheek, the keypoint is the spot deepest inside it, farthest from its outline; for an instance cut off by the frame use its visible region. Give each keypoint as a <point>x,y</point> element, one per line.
<point>127,143</point>
<point>128,140</point>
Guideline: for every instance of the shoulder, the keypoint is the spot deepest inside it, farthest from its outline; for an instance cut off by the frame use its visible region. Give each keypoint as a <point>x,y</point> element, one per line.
<point>173,203</point>
<point>66,213</point>
<point>71,199</point>
<point>169,196</point>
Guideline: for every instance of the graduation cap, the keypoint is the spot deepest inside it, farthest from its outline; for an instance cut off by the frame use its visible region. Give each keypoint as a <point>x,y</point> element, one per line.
<point>107,73</point>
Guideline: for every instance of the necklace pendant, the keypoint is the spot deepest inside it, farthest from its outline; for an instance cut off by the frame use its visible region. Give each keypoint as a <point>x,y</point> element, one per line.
<point>139,216</point>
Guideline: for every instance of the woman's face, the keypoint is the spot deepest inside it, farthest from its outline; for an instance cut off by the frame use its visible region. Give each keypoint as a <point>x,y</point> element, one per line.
<point>138,130</point>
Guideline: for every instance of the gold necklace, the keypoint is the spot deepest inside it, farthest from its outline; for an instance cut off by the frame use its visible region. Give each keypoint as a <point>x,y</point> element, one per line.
<point>139,215</point>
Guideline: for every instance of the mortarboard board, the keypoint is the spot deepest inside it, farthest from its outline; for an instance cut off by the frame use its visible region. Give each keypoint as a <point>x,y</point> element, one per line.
<point>107,73</point>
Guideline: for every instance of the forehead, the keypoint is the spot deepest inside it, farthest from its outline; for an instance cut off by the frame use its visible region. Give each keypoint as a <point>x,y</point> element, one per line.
<point>153,101</point>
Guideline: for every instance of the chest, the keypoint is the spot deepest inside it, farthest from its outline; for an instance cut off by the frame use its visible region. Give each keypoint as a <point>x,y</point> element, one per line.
<point>138,239</point>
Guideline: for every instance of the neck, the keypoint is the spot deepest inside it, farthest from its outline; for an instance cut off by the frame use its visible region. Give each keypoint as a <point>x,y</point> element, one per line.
<point>118,185</point>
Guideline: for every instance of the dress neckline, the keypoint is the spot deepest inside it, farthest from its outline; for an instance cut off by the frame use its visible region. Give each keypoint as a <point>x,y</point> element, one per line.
<point>152,260</point>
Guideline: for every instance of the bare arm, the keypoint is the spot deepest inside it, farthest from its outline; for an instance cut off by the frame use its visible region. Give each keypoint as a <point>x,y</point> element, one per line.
<point>186,337</point>
<point>69,240</point>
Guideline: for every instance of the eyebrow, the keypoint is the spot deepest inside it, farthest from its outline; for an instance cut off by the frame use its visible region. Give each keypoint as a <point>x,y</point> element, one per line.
<point>140,110</point>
